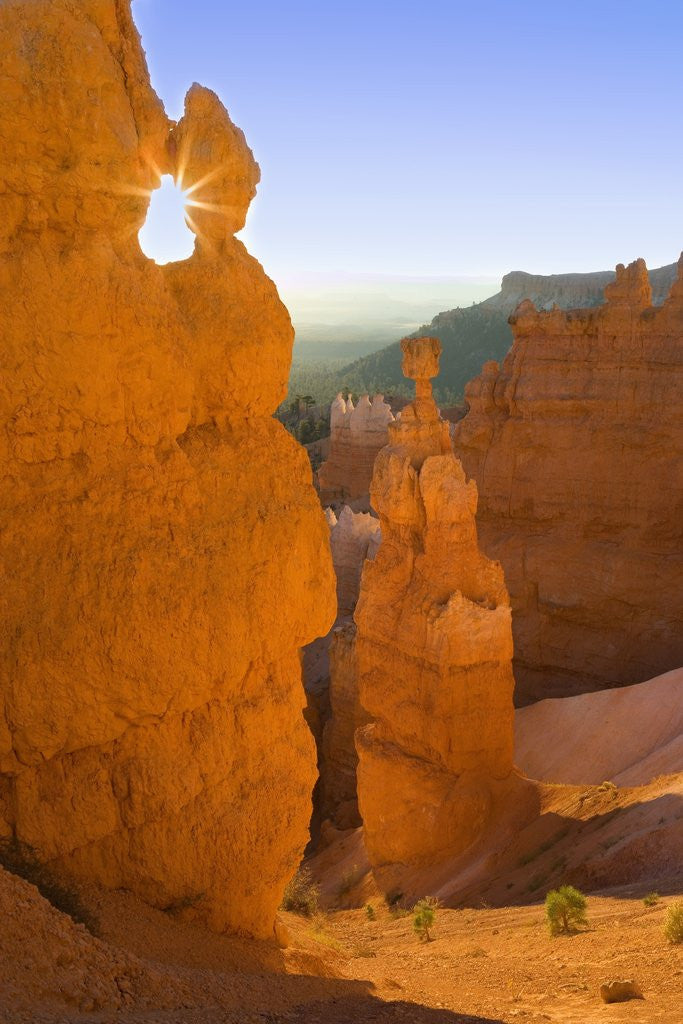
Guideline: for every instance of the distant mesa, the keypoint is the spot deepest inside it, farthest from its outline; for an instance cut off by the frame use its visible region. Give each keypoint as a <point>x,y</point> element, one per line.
<point>471,335</point>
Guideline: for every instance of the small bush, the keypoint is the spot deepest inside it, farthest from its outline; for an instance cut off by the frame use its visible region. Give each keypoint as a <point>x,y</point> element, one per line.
<point>424,913</point>
<point>370,912</point>
<point>565,909</point>
<point>673,925</point>
<point>301,895</point>
<point>21,859</point>
<point>651,899</point>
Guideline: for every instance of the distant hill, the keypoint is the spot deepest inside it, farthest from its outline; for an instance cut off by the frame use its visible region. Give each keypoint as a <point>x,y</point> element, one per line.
<point>472,335</point>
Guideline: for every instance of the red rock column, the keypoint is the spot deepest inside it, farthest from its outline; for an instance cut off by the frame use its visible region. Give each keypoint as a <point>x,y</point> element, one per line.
<point>434,646</point>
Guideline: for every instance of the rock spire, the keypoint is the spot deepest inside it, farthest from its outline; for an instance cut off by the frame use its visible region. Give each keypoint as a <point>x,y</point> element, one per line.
<point>434,646</point>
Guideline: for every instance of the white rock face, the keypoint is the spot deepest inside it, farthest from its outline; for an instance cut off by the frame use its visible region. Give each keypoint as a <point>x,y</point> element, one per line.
<point>354,537</point>
<point>357,433</point>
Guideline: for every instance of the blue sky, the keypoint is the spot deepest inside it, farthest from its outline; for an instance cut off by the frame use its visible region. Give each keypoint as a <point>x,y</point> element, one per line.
<point>443,138</point>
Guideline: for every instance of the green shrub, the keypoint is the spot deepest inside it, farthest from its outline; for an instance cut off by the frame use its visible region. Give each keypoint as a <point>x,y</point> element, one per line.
<point>673,925</point>
<point>651,899</point>
<point>565,909</point>
<point>424,913</point>
<point>370,912</point>
<point>301,895</point>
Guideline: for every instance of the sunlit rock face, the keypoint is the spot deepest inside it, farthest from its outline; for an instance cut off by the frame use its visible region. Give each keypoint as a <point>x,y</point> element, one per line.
<point>163,548</point>
<point>433,647</point>
<point>357,434</point>
<point>576,445</point>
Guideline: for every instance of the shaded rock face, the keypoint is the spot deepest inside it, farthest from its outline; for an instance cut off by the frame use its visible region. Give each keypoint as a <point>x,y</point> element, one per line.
<point>357,434</point>
<point>153,514</point>
<point>339,760</point>
<point>334,712</point>
<point>576,445</point>
<point>434,646</point>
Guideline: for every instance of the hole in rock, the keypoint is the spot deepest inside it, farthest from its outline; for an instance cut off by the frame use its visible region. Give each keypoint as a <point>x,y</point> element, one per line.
<point>165,236</point>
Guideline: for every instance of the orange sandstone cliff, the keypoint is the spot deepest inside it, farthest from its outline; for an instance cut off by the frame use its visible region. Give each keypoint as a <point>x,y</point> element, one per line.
<point>576,446</point>
<point>164,553</point>
<point>434,647</point>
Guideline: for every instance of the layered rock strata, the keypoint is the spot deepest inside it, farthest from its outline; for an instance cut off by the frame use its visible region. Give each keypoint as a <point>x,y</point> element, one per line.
<point>357,433</point>
<point>434,646</point>
<point>576,446</point>
<point>163,550</point>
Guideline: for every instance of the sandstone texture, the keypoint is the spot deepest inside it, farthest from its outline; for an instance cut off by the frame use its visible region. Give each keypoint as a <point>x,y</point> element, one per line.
<point>434,646</point>
<point>163,550</point>
<point>576,445</point>
<point>357,434</point>
<point>49,963</point>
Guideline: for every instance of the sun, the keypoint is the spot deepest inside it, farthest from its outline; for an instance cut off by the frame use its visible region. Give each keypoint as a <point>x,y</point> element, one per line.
<point>166,235</point>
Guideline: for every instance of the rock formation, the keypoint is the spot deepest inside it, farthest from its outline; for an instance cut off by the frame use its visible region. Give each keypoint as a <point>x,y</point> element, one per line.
<point>434,646</point>
<point>356,435</point>
<point>164,554</point>
<point>576,445</point>
<point>339,760</point>
<point>354,536</point>
<point>568,291</point>
<point>334,712</point>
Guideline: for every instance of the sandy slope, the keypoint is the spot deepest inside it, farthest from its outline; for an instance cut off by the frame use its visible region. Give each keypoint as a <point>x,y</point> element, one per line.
<point>484,966</point>
<point>628,735</point>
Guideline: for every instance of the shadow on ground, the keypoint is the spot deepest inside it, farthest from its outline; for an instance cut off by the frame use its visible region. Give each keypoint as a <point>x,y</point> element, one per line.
<point>358,1010</point>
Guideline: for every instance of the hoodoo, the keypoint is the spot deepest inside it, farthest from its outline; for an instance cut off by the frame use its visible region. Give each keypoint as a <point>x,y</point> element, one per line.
<point>164,553</point>
<point>576,446</point>
<point>356,435</point>
<point>434,646</point>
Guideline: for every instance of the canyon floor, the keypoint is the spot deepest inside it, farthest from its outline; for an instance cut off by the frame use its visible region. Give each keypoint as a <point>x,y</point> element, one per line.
<point>483,966</point>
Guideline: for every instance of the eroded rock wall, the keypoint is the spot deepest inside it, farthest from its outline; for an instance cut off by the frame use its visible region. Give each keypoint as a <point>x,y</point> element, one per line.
<point>433,646</point>
<point>576,445</point>
<point>357,434</point>
<point>153,515</point>
<point>330,675</point>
